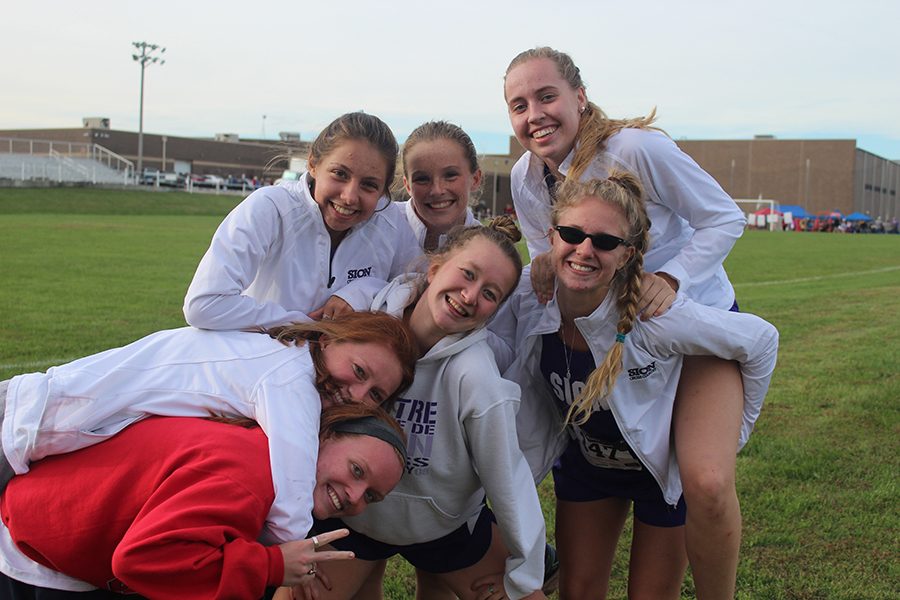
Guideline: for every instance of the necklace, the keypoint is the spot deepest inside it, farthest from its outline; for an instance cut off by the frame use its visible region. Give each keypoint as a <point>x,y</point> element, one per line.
<point>568,348</point>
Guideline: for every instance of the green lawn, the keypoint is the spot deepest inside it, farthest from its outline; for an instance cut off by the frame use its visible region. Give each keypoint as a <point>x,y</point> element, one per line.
<point>85,270</point>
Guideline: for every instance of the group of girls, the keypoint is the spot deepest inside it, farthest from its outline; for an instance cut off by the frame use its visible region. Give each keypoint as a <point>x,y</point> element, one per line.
<point>627,237</point>
<point>179,514</point>
<point>692,226</point>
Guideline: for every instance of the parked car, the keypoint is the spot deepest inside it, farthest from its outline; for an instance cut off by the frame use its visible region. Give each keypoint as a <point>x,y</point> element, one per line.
<point>159,178</point>
<point>209,181</point>
<point>240,183</point>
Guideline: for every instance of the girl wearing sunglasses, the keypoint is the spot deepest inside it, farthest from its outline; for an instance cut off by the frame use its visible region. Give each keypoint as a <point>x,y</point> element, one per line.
<point>598,389</point>
<point>600,241</point>
<point>694,226</point>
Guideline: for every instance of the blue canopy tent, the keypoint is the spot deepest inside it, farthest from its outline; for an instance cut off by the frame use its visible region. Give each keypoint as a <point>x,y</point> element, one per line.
<point>857,216</point>
<point>796,210</point>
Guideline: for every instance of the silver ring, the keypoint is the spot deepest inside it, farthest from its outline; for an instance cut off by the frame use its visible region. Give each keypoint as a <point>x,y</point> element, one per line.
<point>326,317</point>
<point>312,570</point>
<point>315,540</point>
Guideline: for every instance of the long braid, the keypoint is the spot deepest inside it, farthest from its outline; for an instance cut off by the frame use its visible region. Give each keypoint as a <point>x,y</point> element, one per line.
<point>620,189</point>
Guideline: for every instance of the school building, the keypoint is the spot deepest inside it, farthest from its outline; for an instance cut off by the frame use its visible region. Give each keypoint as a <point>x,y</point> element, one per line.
<point>224,155</point>
<point>820,175</point>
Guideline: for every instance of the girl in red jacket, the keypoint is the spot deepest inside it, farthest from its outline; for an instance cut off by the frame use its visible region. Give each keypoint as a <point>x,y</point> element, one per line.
<point>172,508</point>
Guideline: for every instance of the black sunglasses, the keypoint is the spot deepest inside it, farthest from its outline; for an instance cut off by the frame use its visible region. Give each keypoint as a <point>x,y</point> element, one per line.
<point>600,241</point>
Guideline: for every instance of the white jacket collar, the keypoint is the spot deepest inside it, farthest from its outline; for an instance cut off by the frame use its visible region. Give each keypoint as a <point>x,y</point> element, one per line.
<point>536,165</point>
<point>420,230</point>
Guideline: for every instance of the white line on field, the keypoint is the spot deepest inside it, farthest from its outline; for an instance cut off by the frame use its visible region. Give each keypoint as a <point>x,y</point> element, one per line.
<point>816,278</point>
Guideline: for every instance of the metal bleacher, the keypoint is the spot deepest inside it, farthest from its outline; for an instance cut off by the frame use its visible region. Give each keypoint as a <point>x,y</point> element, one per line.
<point>62,162</point>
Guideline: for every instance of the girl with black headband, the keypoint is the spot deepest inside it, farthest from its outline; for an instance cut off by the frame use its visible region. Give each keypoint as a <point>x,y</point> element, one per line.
<point>281,379</point>
<point>172,508</point>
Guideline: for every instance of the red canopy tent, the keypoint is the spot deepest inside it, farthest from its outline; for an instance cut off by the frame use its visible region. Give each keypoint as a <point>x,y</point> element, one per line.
<point>768,211</point>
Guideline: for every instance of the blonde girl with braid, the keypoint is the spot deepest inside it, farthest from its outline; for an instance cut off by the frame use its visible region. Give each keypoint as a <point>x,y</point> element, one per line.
<point>694,226</point>
<point>599,384</point>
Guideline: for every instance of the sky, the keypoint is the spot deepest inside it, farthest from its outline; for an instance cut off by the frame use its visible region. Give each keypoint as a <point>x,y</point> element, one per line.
<point>712,69</point>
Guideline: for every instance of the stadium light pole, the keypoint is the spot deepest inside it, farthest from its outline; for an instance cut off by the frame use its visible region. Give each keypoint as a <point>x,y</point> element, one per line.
<point>145,58</point>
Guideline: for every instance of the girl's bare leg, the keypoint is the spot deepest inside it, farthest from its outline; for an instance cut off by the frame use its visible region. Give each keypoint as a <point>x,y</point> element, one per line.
<point>430,587</point>
<point>707,420</point>
<point>373,587</point>
<point>586,537</point>
<point>658,562</point>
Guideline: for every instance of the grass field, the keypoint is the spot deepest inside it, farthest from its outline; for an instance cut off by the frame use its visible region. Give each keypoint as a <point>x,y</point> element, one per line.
<point>85,270</point>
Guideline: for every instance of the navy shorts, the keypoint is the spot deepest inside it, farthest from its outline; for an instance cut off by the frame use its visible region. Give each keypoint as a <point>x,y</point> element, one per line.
<point>575,480</point>
<point>452,552</point>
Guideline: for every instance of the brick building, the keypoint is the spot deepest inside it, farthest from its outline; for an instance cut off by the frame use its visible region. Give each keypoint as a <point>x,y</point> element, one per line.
<point>819,175</point>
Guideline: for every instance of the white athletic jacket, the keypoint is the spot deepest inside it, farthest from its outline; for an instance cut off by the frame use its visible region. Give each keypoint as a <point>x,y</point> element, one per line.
<point>459,415</point>
<point>180,372</point>
<point>694,223</point>
<point>360,293</point>
<point>641,401</point>
<point>269,262</point>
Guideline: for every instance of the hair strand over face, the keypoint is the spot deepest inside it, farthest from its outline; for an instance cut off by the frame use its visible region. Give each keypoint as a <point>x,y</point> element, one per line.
<point>362,327</point>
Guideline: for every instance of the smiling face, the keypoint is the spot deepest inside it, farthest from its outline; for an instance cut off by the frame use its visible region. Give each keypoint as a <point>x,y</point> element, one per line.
<point>439,180</point>
<point>359,372</point>
<point>466,289</point>
<point>580,267</point>
<point>349,180</point>
<point>544,110</point>
<point>352,472</point>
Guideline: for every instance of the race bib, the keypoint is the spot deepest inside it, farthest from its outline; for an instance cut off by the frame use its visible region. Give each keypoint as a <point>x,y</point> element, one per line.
<point>606,454</point>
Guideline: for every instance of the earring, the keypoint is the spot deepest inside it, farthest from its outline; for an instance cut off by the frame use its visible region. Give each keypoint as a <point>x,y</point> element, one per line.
<point>581,110</point>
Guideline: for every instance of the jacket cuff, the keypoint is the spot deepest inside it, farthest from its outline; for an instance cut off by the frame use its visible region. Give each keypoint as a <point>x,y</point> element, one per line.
<point>276,566</point>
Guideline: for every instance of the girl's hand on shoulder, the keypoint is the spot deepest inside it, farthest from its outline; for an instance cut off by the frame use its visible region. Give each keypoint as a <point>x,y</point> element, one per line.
<point>335,307</point>
<point>657,294</point>
<point>542,277</point>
